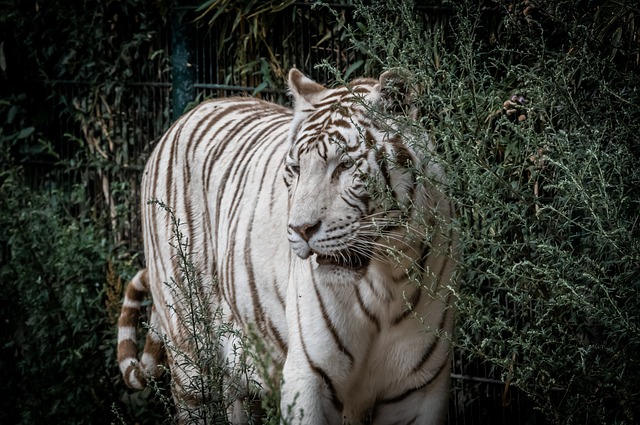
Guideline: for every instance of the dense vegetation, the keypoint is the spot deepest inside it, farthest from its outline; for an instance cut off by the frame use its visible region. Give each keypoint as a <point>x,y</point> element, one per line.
<point>534,109</point>
<point>538,118</point>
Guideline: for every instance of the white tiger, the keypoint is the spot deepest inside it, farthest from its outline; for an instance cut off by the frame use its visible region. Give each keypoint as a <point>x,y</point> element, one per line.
<point>325,241</point>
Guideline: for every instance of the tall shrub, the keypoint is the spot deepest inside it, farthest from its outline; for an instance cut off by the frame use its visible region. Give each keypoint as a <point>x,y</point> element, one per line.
<point>59,295</point>
<point>537,119</point>
<point>52,307</point>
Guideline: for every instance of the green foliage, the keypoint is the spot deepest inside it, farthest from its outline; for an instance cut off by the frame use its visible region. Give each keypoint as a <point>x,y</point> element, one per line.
<point>101,42</point>
<point>538,127</point>
<point>52,307</point>
<point>59,302</point>
<point>85,56</point>
<point>59,296</point>
<point>258,41</point>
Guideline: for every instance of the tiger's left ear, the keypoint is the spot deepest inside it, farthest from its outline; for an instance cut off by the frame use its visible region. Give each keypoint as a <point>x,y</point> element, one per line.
<point>303,89</point>
<point>394,94</point>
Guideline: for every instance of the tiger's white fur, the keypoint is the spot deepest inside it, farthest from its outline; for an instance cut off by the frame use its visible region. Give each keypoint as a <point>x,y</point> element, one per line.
<point>351,291</point>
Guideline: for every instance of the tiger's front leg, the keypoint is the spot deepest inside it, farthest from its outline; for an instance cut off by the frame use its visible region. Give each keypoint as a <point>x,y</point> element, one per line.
<point>306,395</point>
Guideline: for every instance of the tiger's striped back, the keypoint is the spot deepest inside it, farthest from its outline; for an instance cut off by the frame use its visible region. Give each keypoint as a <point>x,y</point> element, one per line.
<point>310,228</point>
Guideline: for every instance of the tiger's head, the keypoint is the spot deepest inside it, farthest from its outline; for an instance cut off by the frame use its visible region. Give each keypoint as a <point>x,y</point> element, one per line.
<point>351,177</point>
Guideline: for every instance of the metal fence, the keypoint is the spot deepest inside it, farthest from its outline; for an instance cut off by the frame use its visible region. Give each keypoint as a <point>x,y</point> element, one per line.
<point>218,67</point>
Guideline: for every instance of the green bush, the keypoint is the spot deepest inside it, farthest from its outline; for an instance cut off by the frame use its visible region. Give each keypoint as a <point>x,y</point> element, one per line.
<point>59,302</point>
<point>60,292</point>
<point>537,119</point>
<point>52,305</point>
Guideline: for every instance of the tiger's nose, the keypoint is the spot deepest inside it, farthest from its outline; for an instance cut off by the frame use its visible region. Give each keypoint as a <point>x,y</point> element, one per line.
<point>306,230</point>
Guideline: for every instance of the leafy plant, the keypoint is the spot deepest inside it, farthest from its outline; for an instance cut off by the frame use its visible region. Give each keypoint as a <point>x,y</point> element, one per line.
<point>538,127</point>
<point>60,293</point>
<point>52,296</point>
<point>261,40</point>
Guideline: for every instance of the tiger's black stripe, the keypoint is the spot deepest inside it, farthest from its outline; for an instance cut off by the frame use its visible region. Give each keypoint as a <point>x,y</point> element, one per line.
<point>372,317</point>
<point>331,326</point>
<point>444,366</point>
<point>255,298</point>
<point>324,377</point>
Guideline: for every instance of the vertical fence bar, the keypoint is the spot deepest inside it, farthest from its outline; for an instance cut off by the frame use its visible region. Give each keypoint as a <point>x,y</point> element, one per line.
<point>183,73</point>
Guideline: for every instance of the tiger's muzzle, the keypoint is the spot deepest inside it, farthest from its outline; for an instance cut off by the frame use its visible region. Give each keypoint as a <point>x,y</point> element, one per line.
<point>303,244</point>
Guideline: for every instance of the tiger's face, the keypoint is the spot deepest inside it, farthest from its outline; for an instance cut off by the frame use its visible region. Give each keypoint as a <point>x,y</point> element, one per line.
<point>347,178</point>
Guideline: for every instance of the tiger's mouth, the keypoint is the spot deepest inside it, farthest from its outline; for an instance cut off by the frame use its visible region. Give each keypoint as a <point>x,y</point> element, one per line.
<point>343,259</point>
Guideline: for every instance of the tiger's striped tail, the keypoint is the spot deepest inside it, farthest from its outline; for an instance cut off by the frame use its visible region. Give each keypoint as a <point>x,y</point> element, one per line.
<point>135,372</point>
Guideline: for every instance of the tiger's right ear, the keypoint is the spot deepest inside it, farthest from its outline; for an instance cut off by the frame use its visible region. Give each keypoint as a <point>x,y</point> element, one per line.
<point>303,89</point>
<point>395,94</point>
